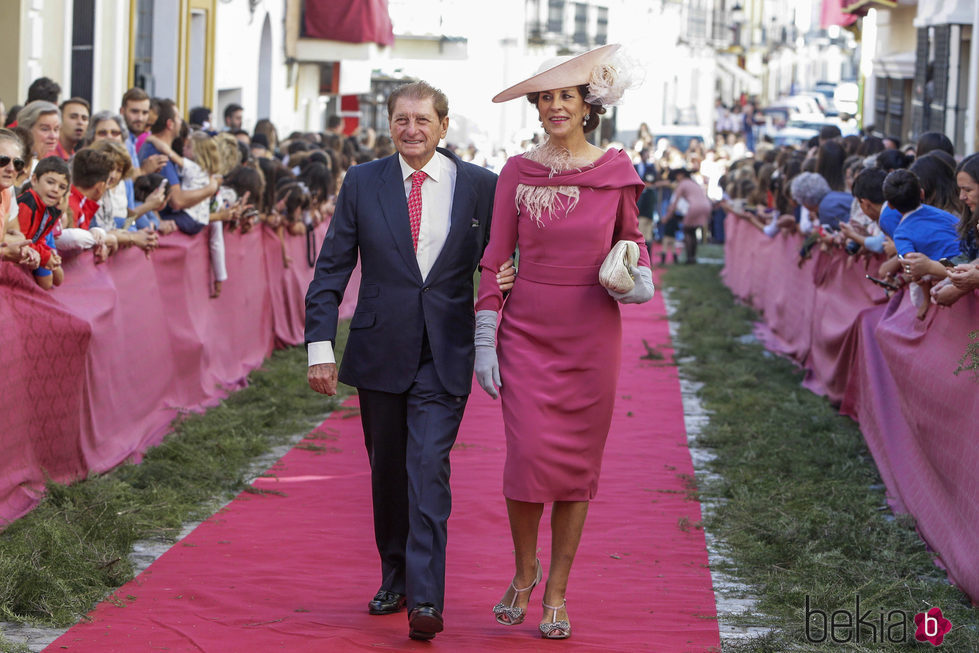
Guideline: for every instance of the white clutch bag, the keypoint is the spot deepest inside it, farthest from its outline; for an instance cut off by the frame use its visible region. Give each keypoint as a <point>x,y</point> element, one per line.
<point>614,273</point>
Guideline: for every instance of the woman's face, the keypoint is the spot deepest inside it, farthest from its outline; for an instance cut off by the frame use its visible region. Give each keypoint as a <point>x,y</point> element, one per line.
<point>563,111</point>
<point>8,174</point>
<point>968,190</point>
<point>108,130</point>
<point>188,152</point>
<point>46,131</point>
<point>114,177</point>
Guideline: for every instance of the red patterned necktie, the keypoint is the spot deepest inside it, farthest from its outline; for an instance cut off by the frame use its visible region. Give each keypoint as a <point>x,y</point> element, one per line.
<point>415,205</point>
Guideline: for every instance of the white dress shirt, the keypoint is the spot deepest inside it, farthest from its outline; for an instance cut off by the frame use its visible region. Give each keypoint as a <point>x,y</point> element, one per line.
<point>437,194</point>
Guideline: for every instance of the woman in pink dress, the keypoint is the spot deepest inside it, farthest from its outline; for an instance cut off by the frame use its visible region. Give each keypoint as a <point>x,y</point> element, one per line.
<point>565,204</point>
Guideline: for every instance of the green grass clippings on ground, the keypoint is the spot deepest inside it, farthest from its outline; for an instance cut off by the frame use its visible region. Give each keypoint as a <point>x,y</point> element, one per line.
<point>73,549</point>
<point>800,508</point>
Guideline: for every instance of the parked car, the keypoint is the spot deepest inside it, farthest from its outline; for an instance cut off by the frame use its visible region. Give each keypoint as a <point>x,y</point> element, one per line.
<point>680,136</point>
<point>802,128</point>
<point>846,96</point>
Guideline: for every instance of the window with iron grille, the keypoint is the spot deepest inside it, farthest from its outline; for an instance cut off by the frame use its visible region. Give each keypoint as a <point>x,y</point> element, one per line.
<point>82,48</point>
<point>580,23</point>
<point>555,16</point>
<point>601,33</point>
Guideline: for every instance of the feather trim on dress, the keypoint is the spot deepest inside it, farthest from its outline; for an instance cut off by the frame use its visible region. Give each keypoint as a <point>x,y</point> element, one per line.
<point>540,199</point>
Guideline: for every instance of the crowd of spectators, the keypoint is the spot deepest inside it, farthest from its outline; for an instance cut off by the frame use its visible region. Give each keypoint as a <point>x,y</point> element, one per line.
<point>910,212</point>
<point>72,181</point>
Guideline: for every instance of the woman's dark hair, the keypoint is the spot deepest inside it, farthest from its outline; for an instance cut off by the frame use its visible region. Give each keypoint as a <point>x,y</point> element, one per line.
<point>871,145</point>
<point>968,223</point>
<point>319,180</point>
<point>594,113</point>
<point>829,164</point>
<point>297,146</point>
<point>930,141</point>
<point>677,173</point>
<point>246,179</point>
<point>144,185</point>
<point>869,185</point>
<point>12,114</point>
<point>937,179</point>
<point>902,190</point>
<point>851,143</point>
<point>293,197</point>
<point>274,172</point>
<point>890,160</point>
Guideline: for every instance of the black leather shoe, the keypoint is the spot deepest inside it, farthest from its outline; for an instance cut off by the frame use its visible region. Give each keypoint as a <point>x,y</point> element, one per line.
<point>424,622</point>
<point>385,602</point>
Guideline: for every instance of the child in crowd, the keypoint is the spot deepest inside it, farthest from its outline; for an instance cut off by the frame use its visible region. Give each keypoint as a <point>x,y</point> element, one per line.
<point>90,174</point>
<point>199,164</point>
<point>38,214</point>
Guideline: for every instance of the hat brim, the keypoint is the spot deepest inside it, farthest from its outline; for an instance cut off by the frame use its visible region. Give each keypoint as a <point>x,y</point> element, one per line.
<point>573,72</point>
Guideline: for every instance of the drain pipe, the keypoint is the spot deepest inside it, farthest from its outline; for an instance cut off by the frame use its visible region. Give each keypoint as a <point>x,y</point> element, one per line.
<point>971,116</point>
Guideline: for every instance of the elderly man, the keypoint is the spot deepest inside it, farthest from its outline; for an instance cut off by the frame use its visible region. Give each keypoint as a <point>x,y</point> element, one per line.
<point>419,220</point>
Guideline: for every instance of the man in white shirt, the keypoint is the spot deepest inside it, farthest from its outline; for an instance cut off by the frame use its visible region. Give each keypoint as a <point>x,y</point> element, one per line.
<point>419,221</point>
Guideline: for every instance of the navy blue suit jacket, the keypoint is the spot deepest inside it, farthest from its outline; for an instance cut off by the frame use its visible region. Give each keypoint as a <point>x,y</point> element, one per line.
<point>395,306</point>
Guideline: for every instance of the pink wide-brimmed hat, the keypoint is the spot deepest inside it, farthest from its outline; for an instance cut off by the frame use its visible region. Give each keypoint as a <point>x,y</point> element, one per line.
<point>560,72</point>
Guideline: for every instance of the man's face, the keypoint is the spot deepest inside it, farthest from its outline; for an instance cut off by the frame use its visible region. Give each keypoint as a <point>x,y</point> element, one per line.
<point>74,122</point>
<point>51,187</point>
<point>234,120</point>
<point>135,113</point>
<point>416,129</point>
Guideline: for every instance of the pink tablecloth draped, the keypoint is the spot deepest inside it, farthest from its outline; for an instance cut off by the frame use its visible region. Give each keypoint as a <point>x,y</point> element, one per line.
<point>890,371</point>
<point>95,371</point>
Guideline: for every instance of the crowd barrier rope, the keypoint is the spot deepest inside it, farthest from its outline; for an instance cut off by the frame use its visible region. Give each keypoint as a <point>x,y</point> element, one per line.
<point>885,368</point>
<point>96,370</point>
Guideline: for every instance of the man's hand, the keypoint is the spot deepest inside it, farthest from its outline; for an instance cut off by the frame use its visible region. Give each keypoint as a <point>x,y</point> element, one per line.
<point>167,227</point>
<point>145,240</point>
<point>323,378</point>
<point>153,163</point>
<point>507,275</point>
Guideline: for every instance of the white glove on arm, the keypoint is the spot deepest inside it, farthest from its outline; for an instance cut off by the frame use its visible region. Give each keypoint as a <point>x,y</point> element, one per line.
<point>487,366</point>
<point>641,292</point>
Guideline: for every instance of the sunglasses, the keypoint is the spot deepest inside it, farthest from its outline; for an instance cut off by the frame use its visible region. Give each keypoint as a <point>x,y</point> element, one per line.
<point>18,163</point>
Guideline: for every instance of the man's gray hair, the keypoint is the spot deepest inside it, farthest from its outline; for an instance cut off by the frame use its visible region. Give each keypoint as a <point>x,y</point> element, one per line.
<point>809,188</point>
<point>420,90</point>
<point>30,114</point>
<point>102,116</point>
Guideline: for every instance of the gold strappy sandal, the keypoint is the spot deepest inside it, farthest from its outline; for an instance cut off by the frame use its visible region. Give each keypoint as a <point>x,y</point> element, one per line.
<point>555,629</point>
<point>512,614</point>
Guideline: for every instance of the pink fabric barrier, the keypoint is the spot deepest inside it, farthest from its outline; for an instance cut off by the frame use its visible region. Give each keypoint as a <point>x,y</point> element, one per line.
<point>888,370</point>
<point>95,371</point>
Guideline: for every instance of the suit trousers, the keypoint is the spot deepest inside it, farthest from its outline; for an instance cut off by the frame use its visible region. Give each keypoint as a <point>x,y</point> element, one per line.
<point>408,438</point>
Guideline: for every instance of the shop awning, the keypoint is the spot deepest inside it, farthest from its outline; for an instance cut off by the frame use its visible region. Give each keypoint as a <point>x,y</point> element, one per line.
<point>832,14</point>
<point>861,7</point>
<point>349,21</point>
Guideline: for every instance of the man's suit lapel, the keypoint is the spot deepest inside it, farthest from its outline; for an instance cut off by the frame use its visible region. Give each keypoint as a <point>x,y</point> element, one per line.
<point>394,206</point>
<point>463,203</point>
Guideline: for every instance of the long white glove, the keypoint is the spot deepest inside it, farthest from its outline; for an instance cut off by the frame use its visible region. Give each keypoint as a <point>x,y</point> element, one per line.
<point>487,365</point>
<point>641,292</point>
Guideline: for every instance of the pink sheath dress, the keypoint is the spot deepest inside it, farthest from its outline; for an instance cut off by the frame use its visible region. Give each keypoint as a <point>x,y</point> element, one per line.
<point>560,334</point>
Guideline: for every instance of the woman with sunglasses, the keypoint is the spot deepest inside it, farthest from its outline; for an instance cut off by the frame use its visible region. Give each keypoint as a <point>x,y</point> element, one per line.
<point>13,245</point>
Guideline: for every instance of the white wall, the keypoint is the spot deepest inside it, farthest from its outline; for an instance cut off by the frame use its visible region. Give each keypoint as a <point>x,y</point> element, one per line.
<point>236,64</point>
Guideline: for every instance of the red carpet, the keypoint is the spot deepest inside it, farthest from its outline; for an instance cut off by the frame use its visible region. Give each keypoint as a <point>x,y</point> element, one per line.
<point>294,572</point>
